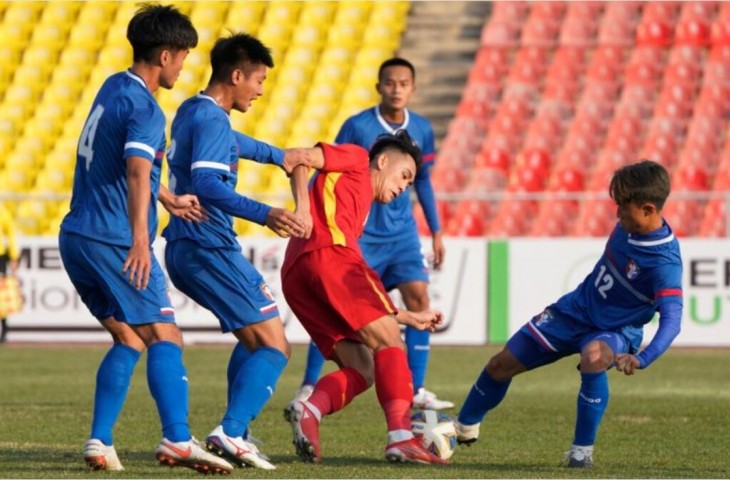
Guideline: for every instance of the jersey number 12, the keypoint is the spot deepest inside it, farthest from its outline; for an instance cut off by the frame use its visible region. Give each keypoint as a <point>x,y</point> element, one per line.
<point>86,141</point>
<point>604,281</point>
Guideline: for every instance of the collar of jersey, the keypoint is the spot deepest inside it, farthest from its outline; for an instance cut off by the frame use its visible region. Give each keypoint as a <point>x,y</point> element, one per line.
<point>136,78</point>
<point>387,126</point>
<point>659,236</point>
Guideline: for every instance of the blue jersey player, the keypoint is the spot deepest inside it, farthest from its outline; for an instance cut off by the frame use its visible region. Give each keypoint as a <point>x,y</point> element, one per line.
<point>390,242</point>
<point>639,274</point>
<point>204,260</point>
<point>105,241</point>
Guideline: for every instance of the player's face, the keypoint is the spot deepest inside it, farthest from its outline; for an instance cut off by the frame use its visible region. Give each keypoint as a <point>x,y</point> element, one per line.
<point>395,87</point>
<point>248,87</point>
<point>395,172</point>
<point>172,64</point>
<point>638,218</point>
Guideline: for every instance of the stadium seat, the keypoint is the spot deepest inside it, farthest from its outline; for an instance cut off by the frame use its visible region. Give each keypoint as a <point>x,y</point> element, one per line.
<point>653,33</point>
<point>694,32</point>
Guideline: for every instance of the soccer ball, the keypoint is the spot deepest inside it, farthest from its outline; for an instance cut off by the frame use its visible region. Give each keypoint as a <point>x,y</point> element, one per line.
<point>436,432</point>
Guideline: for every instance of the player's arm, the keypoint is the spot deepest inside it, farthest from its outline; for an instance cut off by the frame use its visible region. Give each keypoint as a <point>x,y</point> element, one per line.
<point>138,263</point>
<point>427,320</point>
<point>262,152</point>
<point>427,198</point>
<point>670,321</point>
<point>186,207</point>
<point>299,186</point>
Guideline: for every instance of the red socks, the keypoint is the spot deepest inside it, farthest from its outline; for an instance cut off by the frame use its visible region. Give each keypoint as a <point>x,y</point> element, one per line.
<point>394,386</point>
<point>334,391</point>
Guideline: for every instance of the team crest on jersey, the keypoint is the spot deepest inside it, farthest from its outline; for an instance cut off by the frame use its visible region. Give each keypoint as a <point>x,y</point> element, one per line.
<point>632,270</point>
<point>267,292</point>
<point>543,318</point>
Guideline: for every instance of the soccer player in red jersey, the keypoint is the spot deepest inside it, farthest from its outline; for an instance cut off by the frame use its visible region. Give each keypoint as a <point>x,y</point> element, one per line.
<point>341,301</point>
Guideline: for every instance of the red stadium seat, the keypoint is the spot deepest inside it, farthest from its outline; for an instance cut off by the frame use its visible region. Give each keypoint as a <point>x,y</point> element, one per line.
<point>486,179</point>
<point>540,32</point>
<point>526,179</point>
<point>662,11</point>
<point>567,179</point>
<point>690,178</point>
<point>653,33</point>
<point>496,158</point>
<point>682,73</point>
<point>720,32</point>
<point>466,225</point>
<point>692,32</point>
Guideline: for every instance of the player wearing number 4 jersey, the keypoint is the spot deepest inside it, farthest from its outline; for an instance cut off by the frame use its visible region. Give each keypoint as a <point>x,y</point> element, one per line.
<point>105,241</point>
<point>639,274</point>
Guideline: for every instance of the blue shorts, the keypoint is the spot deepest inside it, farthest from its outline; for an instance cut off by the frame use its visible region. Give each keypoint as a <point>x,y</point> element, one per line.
<point>396,262</point>
<point>95,269</point>
<point>549,336</point>
<point>221,280</point>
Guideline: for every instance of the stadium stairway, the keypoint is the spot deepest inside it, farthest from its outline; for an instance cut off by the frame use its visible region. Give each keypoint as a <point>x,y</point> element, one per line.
<point>441,41</point>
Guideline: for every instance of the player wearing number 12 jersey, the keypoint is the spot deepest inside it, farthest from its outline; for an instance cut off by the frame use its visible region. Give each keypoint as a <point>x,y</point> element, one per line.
<point>639,274</point>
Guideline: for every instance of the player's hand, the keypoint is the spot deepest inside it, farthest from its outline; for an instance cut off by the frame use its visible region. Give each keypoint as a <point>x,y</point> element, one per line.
<point>285,223</point>
<point>439,251</point>
<point>187,207</point>
<point>427,320</point>
<point>306,215</point>
<point>138,266</point>
<point>294,157</point>
<point>627,363</point>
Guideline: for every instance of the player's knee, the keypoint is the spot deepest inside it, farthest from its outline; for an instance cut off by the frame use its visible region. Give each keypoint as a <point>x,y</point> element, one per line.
<point>500,368</point>
<point>594,358</point>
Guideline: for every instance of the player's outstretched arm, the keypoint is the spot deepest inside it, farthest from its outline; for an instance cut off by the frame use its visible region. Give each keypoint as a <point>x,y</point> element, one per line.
<point>262,152</point>
<point>426,320</point>
<point>670,320</point>
<point>299,186</point>
<point>138,264</point>
<point>186,207</point>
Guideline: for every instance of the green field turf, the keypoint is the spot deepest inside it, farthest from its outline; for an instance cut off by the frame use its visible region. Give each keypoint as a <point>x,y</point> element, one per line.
<point>669,421</point>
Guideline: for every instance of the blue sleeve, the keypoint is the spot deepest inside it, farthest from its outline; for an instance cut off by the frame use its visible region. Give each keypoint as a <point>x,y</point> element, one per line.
<point>211,189</point>
<point>670,321</point>
<point>348,134</point>
<point>257,151</point>
<point>145,128</point>
<point>426,197</point>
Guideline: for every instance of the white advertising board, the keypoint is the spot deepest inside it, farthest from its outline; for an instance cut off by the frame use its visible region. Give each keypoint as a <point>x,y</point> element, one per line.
<point>54,312</point>
<point>541,270</point>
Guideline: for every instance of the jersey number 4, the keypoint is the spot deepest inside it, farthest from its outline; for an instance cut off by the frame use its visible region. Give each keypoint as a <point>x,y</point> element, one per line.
<point>604,281</point>
<point>86,141</point>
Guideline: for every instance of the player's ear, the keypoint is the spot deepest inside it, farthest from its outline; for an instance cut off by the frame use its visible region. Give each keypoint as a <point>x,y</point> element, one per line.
<point>164,57</point>
<point>382,161</point>
<point>649,209</point>
<point>237,76</point>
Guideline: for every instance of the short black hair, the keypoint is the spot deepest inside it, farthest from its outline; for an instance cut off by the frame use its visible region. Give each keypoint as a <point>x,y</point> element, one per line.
<point>645,181</point>
<point>400,141</point>
<point>396,62</point>
<point>155,26</point>
<point>234,52</point>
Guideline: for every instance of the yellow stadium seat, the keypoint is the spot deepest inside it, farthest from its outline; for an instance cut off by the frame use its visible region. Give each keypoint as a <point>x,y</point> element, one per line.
<point>301,55</point>
<point>60,13</point>
<point>40,56</point>
<point>353,12</point>
<point>30,76</point>
<point>16,180</point>
<point>50,36</point>
<point>245,16</point>
<point>283,12</point>
<point>78,57</point>
<point>89,34</point>
<point>345,35</point>
<point>32,216</point>
<point>23,13</point>
<point>390,12</point>
<point>381,35</point>
<point>14,35</point>
<point>317,13</point>
<point>117,56</point>
<point>69,78</point>
<point>208,13</point>
<point>96,12</point>
<point>275,35</point>
<point>309,36</point>
<point>51,180</point>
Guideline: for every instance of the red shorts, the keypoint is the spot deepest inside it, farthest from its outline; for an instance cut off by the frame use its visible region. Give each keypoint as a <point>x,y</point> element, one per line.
<point>334,293</point>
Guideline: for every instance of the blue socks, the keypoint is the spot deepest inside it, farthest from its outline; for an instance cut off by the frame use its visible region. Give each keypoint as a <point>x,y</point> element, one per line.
<point>315,362</point>
<point>592,402</point>
<point>112,384</point>
<point>484,395</point>
<point>239,355</point>
<point>168,383</point>
<point>252,388</point>
<point>418,348</point>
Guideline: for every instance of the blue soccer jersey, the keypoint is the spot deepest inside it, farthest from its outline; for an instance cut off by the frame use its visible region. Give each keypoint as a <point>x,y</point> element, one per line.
<point>203,159</point>
<point>634,276</point>
<point>394,221</point>
<point>125,121</point>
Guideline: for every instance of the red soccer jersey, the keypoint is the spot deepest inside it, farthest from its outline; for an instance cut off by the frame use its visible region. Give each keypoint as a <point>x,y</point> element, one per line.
<point>340,198</point>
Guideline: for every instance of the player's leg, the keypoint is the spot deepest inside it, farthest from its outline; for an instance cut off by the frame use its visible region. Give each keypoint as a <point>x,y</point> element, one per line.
<point>312,371</point>
<point>152,318</point>
<point>597,354</point>
<point>252,386</point>
<point>523,351</point>
<point>393,385</point>
<point>87,263</point>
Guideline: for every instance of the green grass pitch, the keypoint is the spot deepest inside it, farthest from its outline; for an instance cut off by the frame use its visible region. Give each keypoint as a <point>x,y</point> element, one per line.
<point>668,421</point>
